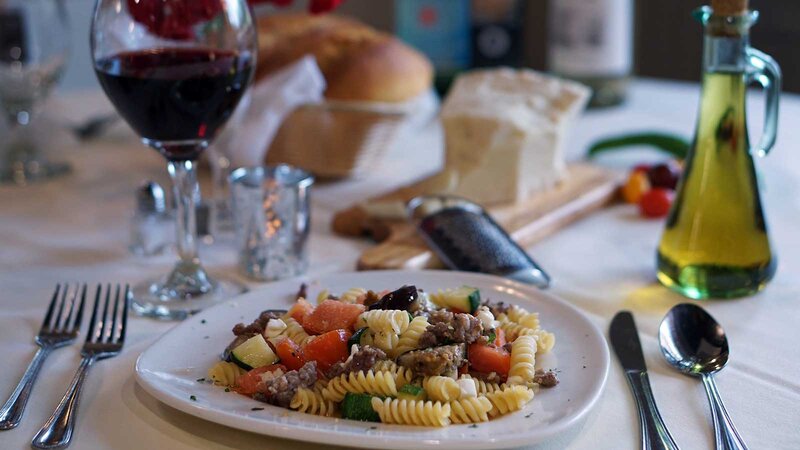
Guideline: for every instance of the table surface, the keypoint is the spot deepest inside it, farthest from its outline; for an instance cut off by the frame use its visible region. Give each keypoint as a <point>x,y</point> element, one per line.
<point>76,228</point>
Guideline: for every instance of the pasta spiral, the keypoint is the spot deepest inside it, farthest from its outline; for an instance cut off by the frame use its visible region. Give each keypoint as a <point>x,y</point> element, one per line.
<point>523,317</point>
<point>384,340</point>
<point>225,373</point>
<point>514,330</point>
<point>295,331</point>
<point>412,412</point>
<point>470,410</point>
<point>311,401</point>
<point>483,387</point>
<point>402,375</point>
<point>409,339</point>
<point>376,383</point>
<point>443,389</point>
<point>380,320</point>
<point>352,294</point>
<point>545,341</point>
<point>523,360</point>
<point>510,399</point>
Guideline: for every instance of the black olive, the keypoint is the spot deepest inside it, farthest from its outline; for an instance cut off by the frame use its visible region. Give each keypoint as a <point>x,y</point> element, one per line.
<point>399,299</point>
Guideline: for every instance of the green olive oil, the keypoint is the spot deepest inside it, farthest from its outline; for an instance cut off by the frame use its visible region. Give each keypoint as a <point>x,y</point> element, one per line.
<point>715,244</point>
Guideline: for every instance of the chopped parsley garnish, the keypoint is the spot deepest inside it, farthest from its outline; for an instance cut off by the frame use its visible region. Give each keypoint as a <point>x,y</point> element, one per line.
<point>200,380</point>
<point>203,321</point>
<point>193,398</point>
<point>473,426</point>
<point>227,389</point>
<point>492,336</point>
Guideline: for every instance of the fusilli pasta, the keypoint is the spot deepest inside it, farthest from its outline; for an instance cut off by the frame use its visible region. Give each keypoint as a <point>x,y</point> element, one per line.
<point>384,340</point>
<point>402,375</point>
<point>311,401</point>
<point>225,373</point>
<point>443,389</point>
<point>376,383</point>
<point>409,339</point>
<point>412,412</point>
<point>523,360</point>
<point>379,320</point>
<point>510,399</point>
<point>483,387</point>
<point>470,410</point>
<point>295,332</point>
<point>352,294</point>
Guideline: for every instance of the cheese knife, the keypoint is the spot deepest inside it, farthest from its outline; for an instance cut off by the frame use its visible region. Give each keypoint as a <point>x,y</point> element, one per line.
<point>625,342</point>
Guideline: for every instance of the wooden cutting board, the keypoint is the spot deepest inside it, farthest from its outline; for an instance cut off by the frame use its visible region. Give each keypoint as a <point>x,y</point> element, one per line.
<point>585,189</point>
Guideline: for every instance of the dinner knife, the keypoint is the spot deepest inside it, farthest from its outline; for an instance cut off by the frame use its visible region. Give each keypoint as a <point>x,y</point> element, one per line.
<point>625,342</point>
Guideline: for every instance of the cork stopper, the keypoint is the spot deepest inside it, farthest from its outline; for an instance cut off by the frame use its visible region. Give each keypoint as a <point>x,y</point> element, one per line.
<point>729,7</point>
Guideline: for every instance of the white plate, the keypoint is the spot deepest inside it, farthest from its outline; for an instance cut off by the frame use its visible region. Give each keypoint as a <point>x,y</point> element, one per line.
<point>170,367</point>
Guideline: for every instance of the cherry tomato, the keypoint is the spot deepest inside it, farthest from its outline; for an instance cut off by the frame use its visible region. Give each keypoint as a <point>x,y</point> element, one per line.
<point>664,175</point>
<point>635,187</point>
<point>656,202</point>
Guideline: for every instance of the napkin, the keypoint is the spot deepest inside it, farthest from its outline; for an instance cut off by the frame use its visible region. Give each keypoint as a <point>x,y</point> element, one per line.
<point>258,117</point>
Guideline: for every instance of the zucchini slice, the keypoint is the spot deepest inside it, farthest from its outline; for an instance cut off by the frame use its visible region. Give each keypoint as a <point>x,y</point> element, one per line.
<point>412,392</point>
<point>464,299</point>
<point>253,353</point>
<point>359,407</point>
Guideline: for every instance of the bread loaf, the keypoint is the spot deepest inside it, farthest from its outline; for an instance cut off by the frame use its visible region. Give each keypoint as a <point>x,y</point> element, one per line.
<point>359,63</point>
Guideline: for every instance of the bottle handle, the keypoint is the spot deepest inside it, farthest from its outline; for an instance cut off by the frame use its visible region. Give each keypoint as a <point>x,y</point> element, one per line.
<point>766,72</point>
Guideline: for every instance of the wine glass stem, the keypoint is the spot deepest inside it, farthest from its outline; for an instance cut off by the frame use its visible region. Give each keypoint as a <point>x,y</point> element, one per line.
<point>185,188</point>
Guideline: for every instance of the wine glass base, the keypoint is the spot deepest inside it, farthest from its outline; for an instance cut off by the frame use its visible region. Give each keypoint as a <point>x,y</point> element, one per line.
<point>155,300</point>
<point>22,173</point>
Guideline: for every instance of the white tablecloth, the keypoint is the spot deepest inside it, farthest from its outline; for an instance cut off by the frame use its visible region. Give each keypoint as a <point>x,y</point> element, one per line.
<point>76,228</point>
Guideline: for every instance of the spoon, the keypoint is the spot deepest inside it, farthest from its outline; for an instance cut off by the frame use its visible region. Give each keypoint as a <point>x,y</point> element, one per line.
<point>695,344</point>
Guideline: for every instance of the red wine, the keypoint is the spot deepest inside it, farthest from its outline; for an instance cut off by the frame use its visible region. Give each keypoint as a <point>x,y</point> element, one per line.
<point>175,94</point>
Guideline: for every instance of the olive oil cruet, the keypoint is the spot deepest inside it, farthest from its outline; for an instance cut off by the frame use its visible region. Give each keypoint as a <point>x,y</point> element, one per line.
<point>715,244</point>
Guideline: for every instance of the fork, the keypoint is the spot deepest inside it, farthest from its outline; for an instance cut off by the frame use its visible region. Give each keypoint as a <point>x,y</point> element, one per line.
<point>104,339</point>
<point>57,331</point>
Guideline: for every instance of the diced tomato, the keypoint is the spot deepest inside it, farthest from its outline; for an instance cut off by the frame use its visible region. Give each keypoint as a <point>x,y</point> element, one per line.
<point>488,358</point>
<point>500,339</point>
<point>247,383</point>
<point>328,349</point>
<point>332,315</point>
<point>301,310</point>
<point>291,354</point>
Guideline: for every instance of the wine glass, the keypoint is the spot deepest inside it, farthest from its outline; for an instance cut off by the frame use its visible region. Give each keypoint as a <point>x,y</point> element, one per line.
<point>175,71</point>
<point>34,40</point>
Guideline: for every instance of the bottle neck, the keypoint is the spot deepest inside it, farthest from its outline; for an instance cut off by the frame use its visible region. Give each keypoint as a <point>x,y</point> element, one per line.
<point>725,53</point>
<point>727,40</point>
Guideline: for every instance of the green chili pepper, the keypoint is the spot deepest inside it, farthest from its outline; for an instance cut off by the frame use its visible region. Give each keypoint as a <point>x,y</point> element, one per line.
<point>676,146</point>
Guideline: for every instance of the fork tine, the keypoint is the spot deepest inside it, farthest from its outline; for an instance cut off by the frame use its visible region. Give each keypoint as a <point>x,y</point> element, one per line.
<point>93,320</point>
<point>57,319</point>
<point>127,306</point>
<point>113,330</point>
<point>64,323</point>
<point>76,325</point>
<point>50,308</point>
<point>104,317</point>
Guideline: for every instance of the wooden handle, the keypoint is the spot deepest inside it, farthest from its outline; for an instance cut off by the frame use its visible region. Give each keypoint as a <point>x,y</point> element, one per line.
<point>729,7</point>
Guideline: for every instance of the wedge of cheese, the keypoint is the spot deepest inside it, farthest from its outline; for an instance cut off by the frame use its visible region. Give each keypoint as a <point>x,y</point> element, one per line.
<point>505,131</point>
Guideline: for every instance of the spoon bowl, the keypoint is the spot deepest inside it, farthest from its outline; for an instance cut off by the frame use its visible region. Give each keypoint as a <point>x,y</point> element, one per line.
<point>692,341</point>
<point>695,344</point>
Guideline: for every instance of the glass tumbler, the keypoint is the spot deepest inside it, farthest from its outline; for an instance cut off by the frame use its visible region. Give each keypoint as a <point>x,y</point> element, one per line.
<point>271,218</point>
<point>34,43</point>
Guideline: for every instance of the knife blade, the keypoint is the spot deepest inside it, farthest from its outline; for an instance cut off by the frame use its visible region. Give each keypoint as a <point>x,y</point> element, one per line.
<point>625,342</point>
